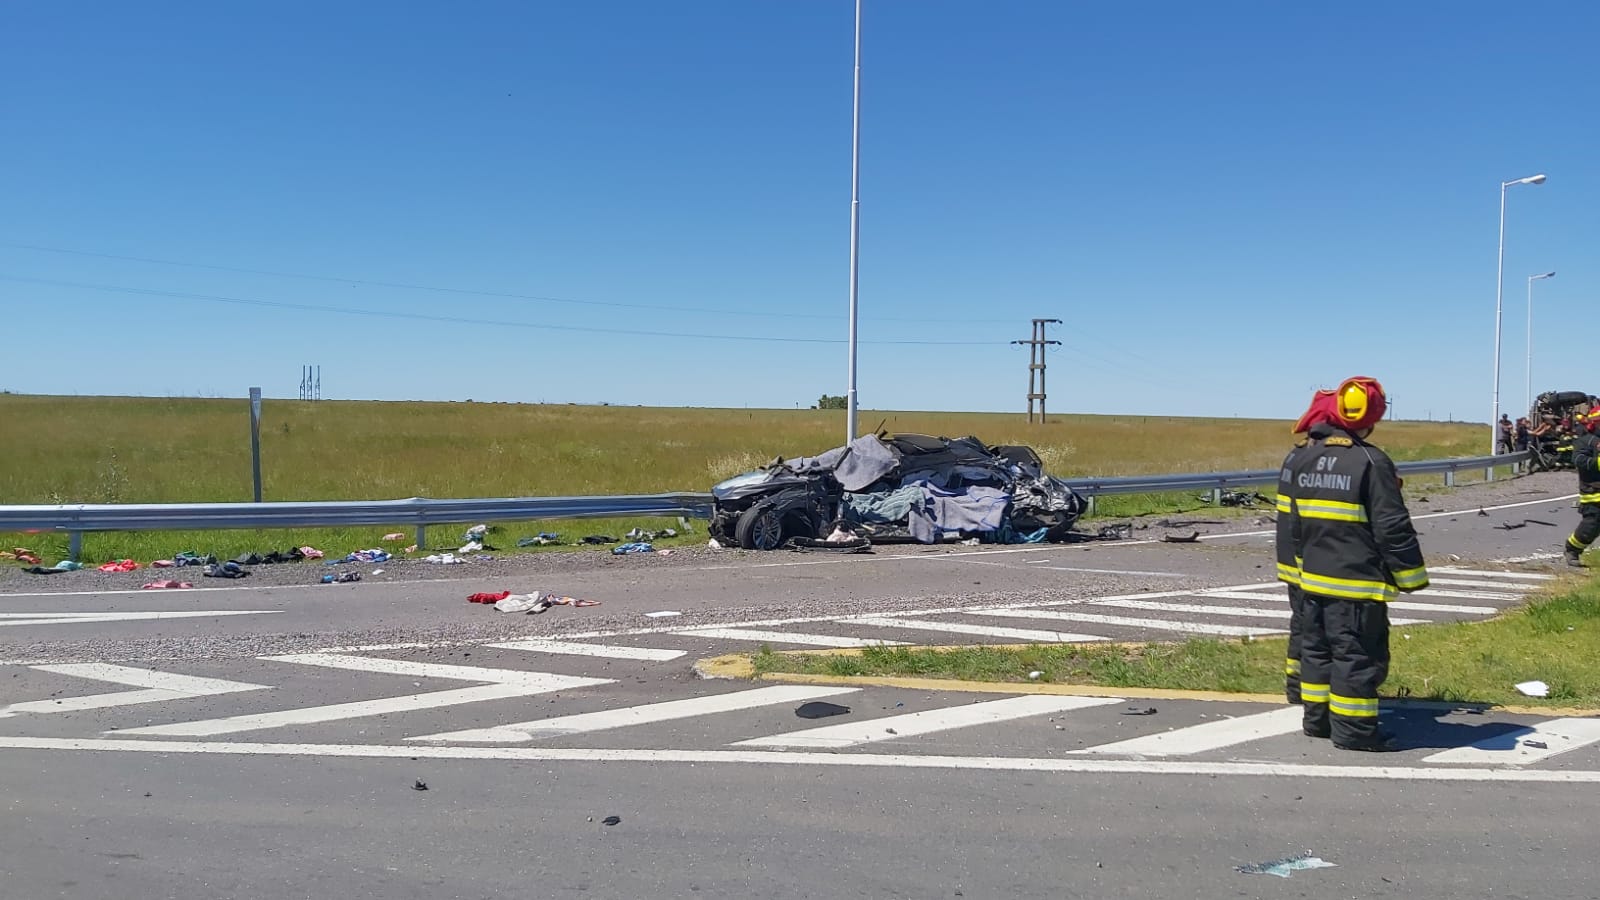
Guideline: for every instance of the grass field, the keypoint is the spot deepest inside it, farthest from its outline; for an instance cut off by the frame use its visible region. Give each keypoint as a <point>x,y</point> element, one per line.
<point>1555,639</point>
<point>125,450</point>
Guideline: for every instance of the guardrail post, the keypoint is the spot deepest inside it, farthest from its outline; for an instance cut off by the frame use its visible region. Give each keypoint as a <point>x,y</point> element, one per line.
<point>1089,505</point>
<point>1450,478</point>
<point>74,545</point>
<point>422,537</point>
<point>1216,496</point>
<point>1488,474</point>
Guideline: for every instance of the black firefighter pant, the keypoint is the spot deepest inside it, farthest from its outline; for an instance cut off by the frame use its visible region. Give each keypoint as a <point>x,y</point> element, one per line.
<point>1291,665</point>
<point>1344,658</point>
<point>1588,527</point>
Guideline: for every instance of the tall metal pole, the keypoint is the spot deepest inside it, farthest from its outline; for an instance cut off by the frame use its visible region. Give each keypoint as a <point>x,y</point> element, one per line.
<point>1527,377</point>
<point>855,235</point>
<point>1499,290</point>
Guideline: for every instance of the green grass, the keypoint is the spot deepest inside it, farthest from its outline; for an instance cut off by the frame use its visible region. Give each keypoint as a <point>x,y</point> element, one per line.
<point>1555,639</point>
<point>127,450</point>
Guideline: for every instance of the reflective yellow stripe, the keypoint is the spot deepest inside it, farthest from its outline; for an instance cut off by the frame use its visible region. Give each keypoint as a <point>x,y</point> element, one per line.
<point>1410,579</point>
<point>1291,667</point>
<point>1284,505</point>
<point>1589,498</point>
<point>1288,573</point>
<point>1336,510</point>
<point>1359,707</point>
<point>1313,693</point>
<point>1348,588</point>
<point>1575,544</point>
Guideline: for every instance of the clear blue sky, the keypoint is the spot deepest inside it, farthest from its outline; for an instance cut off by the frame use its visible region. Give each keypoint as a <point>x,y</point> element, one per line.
<point>1226,203</point>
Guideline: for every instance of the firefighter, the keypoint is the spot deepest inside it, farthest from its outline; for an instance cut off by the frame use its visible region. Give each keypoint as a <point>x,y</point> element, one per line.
<point>1358,549</point>
<point>1586,459</point>
<point>1288,562</point>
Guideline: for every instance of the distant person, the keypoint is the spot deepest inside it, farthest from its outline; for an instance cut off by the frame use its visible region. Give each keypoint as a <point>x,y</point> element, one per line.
<point>1586,459</point>
<point>1504,445</point>
<point>1288,562</point>
<point>1357,549</point>
<point>1524,434</point>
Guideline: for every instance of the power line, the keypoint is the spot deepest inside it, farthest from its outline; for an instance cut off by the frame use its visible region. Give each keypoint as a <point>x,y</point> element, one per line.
<point>535,298</point>
<point>462,320</point>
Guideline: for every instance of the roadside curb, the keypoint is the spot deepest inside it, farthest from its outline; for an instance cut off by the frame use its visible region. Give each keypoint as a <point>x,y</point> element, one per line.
<point>739,666</point>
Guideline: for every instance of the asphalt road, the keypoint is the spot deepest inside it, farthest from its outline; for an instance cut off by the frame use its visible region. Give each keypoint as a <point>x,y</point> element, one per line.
<point>273,752</point>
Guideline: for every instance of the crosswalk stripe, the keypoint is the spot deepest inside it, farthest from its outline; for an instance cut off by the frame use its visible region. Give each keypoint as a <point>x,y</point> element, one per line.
<point>381,666</point>
<point>1131,622</point>
<point>1468,595</point>
<point>637,715</point>
<point>785,637</point>
<point>1244,595</point>
<point>1393,604</point>
<point>1207,736</point>
<point>1483,573</point>
<point>1511,748</point>
<point>52,618</point>
<point>1019,634</point>
<point>837,737</point>
<point>1204,609</point>
<point>158,686</point>
<point>1478,582</point>
<point>574,648</point>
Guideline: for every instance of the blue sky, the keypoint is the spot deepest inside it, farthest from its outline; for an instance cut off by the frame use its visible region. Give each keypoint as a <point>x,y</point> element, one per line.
<point>1227,204</point>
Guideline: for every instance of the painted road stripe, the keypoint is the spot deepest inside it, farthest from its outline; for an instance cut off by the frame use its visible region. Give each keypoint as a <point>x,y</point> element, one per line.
<point>1392,604</point>
<point>573,648</point>
<point>1203,609</point>
<point>55,618</point>
<point>850,734</point>
<point>1467,595</point>
<point>582,755</point>
<point>1017,634</point>
<point>1483,573</point>
<point>1208,736</point>
<point>1511,748</point>
<point>603,720</point>
<point>785,637</point>
<point>1477,582</point>
<point>1131,622</point>
<point>158,686</point>
<point>1041,564</point>
<point>409,669</point>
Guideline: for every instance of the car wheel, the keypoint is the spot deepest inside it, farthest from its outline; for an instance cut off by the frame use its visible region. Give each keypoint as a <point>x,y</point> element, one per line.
<point>760,529</point>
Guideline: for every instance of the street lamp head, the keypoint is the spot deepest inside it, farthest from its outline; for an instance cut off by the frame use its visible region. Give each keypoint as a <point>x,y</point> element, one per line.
<point>1532,179</point>
<point>1546,275</point>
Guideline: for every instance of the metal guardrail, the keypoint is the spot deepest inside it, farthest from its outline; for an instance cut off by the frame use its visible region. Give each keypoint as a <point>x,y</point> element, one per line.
<point>420,512</point>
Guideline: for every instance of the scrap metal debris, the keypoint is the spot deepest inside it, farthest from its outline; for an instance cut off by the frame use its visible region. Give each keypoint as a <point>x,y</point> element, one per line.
<point>420,785</point>
<point>1185,523</point>
<point>1539,744</point>
<point>611,820</point>
<point>1284,867</point>
<point>1139,711</point>
<point>1192,537</point>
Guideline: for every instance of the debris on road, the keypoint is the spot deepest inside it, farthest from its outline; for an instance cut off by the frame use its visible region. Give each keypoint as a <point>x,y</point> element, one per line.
<point>1139,711</point>
<point>611,820</point>
<point>228,569</point>
<point>444,559</point>
<point>121,565</point>
<point>542,539</point>
<point>1533,689</point>
<point>533,604</point>
<point>392,537</point>
<point>162,585</point>
<point>420,785</point>
<point>1283,868</point>
<point>1537,744</point>
<point>817,709</point>
<point>598,539</point>
<point>662,614</point>
<point>1185,523</point>
<point>485,597</point>
<point>1192,537</point>
<point>635,547</point>
<point>341,578</point>
<point>374,555</point>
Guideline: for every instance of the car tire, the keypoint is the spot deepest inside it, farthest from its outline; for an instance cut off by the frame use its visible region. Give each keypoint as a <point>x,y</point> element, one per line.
<point>760,528</point>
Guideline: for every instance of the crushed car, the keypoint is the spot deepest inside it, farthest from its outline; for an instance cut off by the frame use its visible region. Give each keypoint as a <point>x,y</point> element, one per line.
<point>902,487</point>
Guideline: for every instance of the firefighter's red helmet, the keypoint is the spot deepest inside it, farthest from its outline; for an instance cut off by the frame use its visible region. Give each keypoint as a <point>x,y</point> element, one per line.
<point>1360,403</point>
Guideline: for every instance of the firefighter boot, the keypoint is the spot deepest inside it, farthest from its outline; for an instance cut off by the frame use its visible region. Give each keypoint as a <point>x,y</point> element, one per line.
<point>1574,557</point>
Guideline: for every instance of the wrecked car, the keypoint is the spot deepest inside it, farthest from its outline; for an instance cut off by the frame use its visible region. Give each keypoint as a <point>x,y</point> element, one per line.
<point>904,487</point>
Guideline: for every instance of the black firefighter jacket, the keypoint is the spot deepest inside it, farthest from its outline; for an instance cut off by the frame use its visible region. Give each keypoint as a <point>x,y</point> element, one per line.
<point>1586,459</point>
<point>1350,530</point>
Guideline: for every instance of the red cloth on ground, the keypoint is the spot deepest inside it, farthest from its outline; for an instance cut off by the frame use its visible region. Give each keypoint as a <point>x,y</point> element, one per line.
<point>488,598</point>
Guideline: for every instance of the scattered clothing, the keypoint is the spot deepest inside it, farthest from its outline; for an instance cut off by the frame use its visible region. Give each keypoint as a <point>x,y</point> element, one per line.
<point>159,585</point>
<point>636,547</point>
<point>882,508</point>
<point>536,602</point>
<point>162,564</point>
<point>542,539</point>
<point>445,559</point>
<point>393,536</point>
<point>362,556</point>
<point>189,558</point>
<point>639,534</point>
<point>121,565</point>
<point>972,509</point>
<point>314,553</point>
<point>1284,867</point>
<point>475,533</point>
<point>598,539</point>
<point>488,597</point>
<point>341,578</point>
<point>228,569</point>
<point>469,547</point>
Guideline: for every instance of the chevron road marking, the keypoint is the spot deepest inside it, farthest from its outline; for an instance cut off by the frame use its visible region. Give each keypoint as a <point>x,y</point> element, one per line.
<point>157,686</point>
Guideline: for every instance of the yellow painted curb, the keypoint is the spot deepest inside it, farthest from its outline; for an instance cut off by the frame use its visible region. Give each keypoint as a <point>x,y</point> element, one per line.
<point>740,666</point>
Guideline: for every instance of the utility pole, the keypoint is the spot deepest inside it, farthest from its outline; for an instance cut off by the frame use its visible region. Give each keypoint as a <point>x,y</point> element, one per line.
<point>1036,346</point>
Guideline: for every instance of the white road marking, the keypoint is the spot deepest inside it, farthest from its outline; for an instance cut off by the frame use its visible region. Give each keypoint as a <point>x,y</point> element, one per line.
<point>1484,573</point>
<point>1019,634</point>
<point>1202,609</point>
<point>505,684</point>
<point>1131,622</point>
<point>786,637</point>
<point>573,648</point>
<point>84,618</point>
<point>1532,557</point>
<point>1477,582</point>
<point>1208,735</point>
<point>1467,595</point>
<point>1040,564</point>
<point>1511,748</point>
<point>158,686</point>
<point>850,734</point>
<point>1393,604</point>
<point>578,756</point>
<point>583,723</point>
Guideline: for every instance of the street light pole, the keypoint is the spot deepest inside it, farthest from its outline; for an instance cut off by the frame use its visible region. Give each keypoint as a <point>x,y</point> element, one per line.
<point>1499,292</point>
<point>855,236</point>
<point>1528,378</point>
